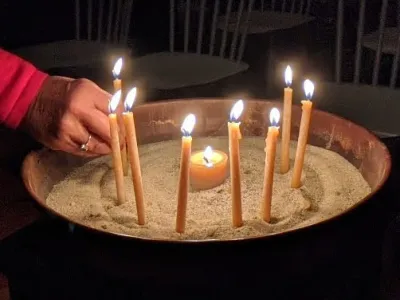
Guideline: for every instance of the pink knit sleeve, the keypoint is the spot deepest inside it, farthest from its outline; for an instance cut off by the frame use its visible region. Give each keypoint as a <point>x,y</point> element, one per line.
<point>20,82</point>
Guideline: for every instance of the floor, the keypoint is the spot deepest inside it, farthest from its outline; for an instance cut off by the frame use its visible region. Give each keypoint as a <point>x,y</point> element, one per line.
<point>4,295</point>
<point>16,207</point>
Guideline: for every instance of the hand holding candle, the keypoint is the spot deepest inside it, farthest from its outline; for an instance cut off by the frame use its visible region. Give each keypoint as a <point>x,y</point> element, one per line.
<point>286,122</point>
<point>208,169</point>
<point>118,86</point>
<point>303,134</point>
<point>115,147</point>
<point>133,151</point>
<point>183,186</point>
<point>234,158</point>
<point>270,150</point>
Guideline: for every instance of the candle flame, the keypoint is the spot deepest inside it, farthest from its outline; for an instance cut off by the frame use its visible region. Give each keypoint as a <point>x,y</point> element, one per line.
<point>188,124</point>
<point>308,88</point>
<point>117,68</point>
<point>208,152</point>
<point>288,76</point>
<point>112,106</point>
<point>130,99</point>
<point>236,111</point>
<point>274,117</point>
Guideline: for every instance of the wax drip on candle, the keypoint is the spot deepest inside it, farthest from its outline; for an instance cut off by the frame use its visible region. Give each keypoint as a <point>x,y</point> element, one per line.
<point>308,89</point>
<point>130,99</point>
<point>113,104</point>
<point>274,117</point>
<point>188,125</point>
<point>288,76</point>
<point>236,111</point>
<point>117,68</point>
<point>208,152</point>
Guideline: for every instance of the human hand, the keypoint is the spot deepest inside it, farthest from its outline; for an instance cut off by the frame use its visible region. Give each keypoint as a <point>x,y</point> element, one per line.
<point>69,113</point>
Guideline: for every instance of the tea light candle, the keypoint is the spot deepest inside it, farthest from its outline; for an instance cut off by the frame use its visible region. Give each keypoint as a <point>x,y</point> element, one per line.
<point>287,120</point>
<point>133,152</point>
<point>115,147</point>
<point>117,87</point>
<point>183,186</point>
<point>303,134</point>
<point>208,169</point>
<point>234,159</point>
<point>270,150</point>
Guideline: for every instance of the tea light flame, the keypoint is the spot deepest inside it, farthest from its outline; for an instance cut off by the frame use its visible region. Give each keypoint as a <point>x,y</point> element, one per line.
<point>308,88</point>
<point>208,152</point>
<point>274,117</point>
<point>236,111</point>
<point>112,106</point>
<point>117,68</point>
<point>288,76</point>
<point>188,124</point>
<point>130,99</point>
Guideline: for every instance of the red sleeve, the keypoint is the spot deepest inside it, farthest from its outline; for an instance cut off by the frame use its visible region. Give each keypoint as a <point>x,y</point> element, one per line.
<point>20,82</point>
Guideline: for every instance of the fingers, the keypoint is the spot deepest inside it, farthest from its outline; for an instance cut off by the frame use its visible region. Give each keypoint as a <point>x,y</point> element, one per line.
<point>95,144</point>
<point>87,114</point>
<point>101,103</point>
<point>97,120</point>
<point>75,151</point>
<point>69,146</point>
<point>102,100</point>
<point>98,146</point>
<point>92,93</point>
<point>65,144</point>
<point>98,123</point>
<point>95,148</point>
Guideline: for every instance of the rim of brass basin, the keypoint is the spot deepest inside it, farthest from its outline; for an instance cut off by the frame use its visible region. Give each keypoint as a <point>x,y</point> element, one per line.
<point>160,121</point>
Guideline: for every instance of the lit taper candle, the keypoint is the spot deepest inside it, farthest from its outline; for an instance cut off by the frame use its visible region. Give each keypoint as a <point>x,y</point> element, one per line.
<point>234,160</point>
<point>115,147</point>
<point>303,134</point>
<point>287,120</point>
<point>133,152</point>
<point>118,87</point>
<point>270,151</point>
<point>183,185</point>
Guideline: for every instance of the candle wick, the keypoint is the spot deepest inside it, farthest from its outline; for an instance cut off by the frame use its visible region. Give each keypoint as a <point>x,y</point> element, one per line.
<point>127,108</point>
<point>233,120</point>
<point>207,162</point>
<point>185,133</point>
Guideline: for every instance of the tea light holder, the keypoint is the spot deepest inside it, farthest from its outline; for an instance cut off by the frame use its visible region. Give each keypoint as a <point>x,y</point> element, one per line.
<point>208,169</point>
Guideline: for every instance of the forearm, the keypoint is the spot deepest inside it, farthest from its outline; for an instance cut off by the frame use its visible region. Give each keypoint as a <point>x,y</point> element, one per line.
<point>20,83</point>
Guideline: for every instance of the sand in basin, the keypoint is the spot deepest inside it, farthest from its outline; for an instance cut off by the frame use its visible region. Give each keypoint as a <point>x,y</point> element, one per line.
<point>88,195</point>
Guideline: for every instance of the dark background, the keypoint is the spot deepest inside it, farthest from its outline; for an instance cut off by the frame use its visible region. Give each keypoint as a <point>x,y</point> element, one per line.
<point>47,256</point>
